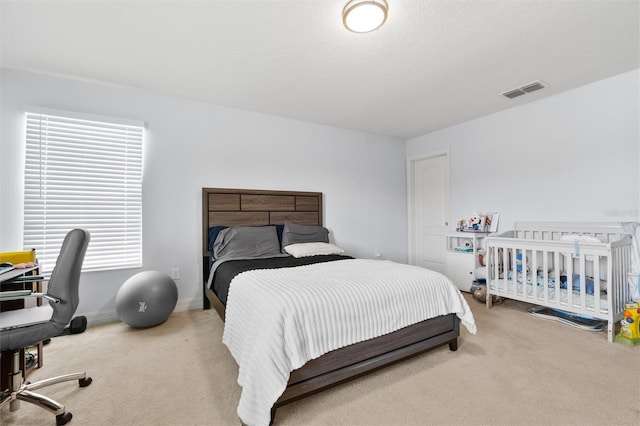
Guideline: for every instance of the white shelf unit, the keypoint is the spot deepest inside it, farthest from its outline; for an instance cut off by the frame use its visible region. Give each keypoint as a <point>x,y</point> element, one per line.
<point>461,265</point>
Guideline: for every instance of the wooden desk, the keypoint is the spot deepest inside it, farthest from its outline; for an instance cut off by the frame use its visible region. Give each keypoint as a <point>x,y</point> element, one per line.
<point>7,282</point>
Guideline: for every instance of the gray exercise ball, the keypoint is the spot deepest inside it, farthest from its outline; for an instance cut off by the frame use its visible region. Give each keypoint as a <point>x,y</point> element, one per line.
<point>146,299</point>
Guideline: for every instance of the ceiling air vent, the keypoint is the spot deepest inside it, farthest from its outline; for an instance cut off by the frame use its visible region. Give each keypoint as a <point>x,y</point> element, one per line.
<point>514,93</point>
<point>523,90</point>
<point>532,87</point>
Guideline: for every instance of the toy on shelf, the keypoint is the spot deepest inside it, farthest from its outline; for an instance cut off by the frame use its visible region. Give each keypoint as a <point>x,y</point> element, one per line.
<point>630,330</point>
<point>466,247</point>
<point>474,223</point>
<point>479,222</point>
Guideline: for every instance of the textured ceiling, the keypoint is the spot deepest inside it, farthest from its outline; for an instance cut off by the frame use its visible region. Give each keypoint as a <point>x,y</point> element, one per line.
<point>432,65</point>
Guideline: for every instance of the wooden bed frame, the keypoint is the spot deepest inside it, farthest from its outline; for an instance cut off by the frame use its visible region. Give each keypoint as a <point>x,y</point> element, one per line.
<point>243,207</point>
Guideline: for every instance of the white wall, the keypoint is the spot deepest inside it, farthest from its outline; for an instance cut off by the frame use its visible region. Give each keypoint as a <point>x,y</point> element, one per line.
<point>190,145</point>
<point>574,156</point>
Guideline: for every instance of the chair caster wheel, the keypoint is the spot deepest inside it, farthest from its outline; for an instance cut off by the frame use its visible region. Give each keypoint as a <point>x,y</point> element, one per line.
<point>63,419</point>
<point>85,382</point>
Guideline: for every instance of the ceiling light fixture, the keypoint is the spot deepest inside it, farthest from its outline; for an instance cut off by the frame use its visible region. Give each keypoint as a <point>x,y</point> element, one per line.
<point>363,16</point>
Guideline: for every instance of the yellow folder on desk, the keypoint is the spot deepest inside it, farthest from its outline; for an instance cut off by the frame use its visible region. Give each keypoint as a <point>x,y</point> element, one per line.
<point>16,257</point>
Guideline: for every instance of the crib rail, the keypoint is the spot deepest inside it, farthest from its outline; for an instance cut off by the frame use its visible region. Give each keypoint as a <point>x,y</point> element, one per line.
<point>607,232</point>
<point>584,278</point>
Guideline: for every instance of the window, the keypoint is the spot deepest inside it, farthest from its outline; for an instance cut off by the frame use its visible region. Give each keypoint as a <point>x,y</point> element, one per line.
<point>83,171</point>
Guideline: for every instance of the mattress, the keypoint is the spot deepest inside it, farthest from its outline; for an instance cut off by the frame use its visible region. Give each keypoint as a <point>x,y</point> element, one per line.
<point>227,270</point>
<point>278,319</point>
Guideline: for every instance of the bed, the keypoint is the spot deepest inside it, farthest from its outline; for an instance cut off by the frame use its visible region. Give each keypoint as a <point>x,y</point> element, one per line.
<point>580,268</point>
<point>228,211</point>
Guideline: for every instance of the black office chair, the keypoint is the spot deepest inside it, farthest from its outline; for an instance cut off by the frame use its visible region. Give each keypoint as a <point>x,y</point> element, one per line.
<point>23,328</point>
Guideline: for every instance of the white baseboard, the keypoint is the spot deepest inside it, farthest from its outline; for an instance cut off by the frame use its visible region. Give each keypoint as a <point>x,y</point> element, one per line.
<point>188,305</point>
<point>105,317</point>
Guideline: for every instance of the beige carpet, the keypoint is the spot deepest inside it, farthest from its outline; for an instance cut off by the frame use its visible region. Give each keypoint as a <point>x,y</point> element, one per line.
<point>518,370</point>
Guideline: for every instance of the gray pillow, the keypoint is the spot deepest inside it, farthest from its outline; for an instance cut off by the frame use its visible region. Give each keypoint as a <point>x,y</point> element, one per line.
<point>247,242</point>
<point>294,233</point>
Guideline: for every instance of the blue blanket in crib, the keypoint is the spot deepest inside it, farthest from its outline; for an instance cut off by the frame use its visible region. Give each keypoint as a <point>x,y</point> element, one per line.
<point>552,281</point>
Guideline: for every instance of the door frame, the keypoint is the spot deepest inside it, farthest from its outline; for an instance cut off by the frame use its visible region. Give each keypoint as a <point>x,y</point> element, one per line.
<point>411,161</point>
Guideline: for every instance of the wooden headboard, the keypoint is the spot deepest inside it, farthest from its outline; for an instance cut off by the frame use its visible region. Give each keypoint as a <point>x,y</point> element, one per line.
<point>249,207</point>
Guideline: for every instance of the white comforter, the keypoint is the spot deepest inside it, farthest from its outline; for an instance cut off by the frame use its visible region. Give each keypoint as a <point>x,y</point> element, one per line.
<point>278,319</point>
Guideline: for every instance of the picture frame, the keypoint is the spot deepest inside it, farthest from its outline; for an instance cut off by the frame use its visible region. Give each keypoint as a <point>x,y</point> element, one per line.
<point>494,217</point>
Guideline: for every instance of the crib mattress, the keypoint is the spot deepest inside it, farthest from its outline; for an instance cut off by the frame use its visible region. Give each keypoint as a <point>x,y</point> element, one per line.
<point>536,294</point>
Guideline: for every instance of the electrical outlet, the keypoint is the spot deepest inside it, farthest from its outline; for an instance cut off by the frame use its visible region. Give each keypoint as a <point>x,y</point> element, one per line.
<point>175,273</point>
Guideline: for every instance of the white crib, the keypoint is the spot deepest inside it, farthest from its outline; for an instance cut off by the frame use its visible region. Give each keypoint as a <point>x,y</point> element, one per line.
<point>534,263</point>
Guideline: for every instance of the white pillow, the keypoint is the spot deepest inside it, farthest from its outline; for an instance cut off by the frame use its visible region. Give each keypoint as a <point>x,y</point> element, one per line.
<point>312,249</point>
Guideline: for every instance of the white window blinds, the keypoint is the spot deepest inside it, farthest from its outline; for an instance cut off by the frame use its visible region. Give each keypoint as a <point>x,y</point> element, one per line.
<point>83,171</point>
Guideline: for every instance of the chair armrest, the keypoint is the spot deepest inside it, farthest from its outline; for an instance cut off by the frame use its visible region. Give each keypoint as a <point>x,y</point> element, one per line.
<point>45,296</point>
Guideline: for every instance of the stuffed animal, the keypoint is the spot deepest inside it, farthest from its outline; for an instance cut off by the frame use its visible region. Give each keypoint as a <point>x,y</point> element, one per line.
<point>474,222</point>
<point>550,273</point>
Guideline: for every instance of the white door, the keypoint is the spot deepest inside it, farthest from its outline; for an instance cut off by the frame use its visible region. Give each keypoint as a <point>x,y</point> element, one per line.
<point>429,197</point>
